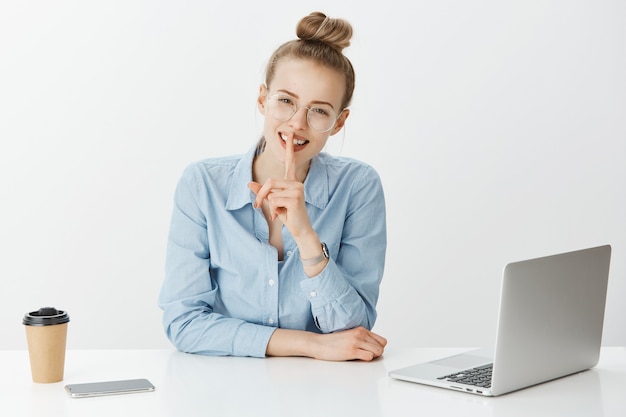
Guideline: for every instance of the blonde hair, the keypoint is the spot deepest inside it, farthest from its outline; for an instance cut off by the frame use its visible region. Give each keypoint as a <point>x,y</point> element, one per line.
<point>320,39</point>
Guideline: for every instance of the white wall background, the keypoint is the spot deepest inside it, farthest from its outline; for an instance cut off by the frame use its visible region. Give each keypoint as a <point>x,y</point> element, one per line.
<point>498,129</point>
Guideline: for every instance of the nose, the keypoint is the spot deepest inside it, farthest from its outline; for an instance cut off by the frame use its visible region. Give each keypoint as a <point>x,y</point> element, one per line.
<point>299,119</point>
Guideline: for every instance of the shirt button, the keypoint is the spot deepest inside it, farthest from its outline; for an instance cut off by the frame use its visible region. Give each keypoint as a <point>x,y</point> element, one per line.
<point>271,282</point>
<point>288,253</point>
<point>313,294</point>
<point>271,321</point>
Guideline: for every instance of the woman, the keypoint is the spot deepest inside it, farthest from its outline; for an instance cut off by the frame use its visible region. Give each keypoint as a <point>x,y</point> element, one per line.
<point>280,251</point>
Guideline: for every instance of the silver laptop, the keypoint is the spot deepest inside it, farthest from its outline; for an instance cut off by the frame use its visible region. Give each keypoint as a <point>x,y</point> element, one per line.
<point>549,326</point>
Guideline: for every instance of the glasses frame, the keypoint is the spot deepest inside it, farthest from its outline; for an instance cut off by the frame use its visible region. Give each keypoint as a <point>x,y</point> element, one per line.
<point>298,107</point>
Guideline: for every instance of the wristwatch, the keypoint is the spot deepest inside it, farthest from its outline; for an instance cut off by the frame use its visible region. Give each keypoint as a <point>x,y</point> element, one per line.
<point>317,259</point>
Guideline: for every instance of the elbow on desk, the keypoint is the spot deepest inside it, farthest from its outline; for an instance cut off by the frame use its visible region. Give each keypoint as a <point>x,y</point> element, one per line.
<point>186,343</point>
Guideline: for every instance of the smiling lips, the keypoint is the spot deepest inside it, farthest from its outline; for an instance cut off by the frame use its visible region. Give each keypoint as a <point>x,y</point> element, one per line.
<point>296,142</point>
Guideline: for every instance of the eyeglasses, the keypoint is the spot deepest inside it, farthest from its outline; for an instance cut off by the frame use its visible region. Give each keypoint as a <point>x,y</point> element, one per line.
<point>282,107</point>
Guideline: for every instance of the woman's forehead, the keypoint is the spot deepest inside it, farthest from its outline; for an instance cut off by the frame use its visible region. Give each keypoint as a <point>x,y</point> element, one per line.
<point>308,80</point>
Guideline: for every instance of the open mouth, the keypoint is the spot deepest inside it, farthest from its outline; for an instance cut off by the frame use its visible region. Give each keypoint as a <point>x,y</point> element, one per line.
<point>296,141</point>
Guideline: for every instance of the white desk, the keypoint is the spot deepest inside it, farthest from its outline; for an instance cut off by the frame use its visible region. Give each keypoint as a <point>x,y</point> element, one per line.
<point>191,385</point>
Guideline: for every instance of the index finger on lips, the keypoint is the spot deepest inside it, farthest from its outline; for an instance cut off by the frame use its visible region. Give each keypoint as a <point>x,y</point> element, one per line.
<point>290,160</point>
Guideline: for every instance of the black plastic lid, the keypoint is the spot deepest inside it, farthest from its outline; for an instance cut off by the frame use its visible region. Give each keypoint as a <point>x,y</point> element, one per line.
<point>46,316</point>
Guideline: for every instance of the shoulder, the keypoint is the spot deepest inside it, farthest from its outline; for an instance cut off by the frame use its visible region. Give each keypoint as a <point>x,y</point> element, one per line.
<point>211,169</point>
<point>215,163</point>
<point>347,168</point>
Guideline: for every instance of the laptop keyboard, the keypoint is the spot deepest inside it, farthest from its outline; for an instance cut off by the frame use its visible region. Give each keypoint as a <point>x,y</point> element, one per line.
<point>479,376</point>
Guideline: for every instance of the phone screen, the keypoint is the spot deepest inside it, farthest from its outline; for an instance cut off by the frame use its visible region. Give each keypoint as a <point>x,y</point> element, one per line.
<point>92,389</point>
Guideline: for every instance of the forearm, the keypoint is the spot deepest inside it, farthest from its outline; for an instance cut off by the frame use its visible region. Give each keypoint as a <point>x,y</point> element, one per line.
<point>287,342</point>
<point>358,343</point>
<point>339,302</point>
<point>310,246</point>
<point>213,334</point>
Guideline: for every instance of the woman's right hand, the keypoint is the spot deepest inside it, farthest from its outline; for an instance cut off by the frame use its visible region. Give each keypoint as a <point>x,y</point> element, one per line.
<point>354,344</point>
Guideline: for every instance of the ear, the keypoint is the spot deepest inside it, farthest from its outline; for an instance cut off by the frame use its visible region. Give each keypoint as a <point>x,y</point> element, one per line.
<point>260,101</point>
<point>341,121</point>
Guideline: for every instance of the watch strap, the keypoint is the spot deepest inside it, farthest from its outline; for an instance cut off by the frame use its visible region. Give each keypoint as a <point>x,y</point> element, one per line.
<point>317,259</point>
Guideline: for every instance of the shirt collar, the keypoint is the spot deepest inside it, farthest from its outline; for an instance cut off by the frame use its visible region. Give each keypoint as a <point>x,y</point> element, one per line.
<point>315,185</point>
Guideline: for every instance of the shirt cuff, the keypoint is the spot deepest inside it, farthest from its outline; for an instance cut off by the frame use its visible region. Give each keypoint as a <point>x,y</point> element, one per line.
<point>252,339</point>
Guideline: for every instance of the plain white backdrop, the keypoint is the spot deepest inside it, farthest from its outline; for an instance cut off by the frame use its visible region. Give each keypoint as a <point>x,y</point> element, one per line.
<point>498,129</point>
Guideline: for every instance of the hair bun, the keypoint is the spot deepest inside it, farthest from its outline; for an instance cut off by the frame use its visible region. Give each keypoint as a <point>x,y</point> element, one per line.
<point>318,27</point>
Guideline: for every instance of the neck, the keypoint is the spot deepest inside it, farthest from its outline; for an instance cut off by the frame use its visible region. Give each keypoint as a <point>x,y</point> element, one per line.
<point>265,167</point>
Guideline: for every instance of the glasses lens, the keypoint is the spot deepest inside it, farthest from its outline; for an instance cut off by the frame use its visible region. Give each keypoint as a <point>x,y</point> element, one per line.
<point>282,107</point>
<point>321,118</point>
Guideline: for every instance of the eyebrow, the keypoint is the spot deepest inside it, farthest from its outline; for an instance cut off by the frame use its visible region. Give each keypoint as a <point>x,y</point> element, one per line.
<point>296,96</point>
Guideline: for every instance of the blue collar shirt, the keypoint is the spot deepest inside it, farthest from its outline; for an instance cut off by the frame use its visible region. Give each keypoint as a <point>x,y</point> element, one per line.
<point>225,291</point>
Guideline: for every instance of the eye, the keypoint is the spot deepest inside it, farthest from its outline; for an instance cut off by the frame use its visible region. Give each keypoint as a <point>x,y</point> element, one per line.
<point>321,111</point>
<point>284,100</point>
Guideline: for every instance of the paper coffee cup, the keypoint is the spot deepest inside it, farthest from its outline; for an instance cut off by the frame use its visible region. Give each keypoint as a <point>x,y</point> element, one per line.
<point>46,334</point>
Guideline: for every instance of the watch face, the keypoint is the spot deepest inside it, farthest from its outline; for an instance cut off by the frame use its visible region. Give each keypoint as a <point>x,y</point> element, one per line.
<point>325,251</point>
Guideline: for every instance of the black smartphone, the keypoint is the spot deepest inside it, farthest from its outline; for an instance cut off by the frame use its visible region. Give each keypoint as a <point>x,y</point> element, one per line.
<point>96,389</point>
